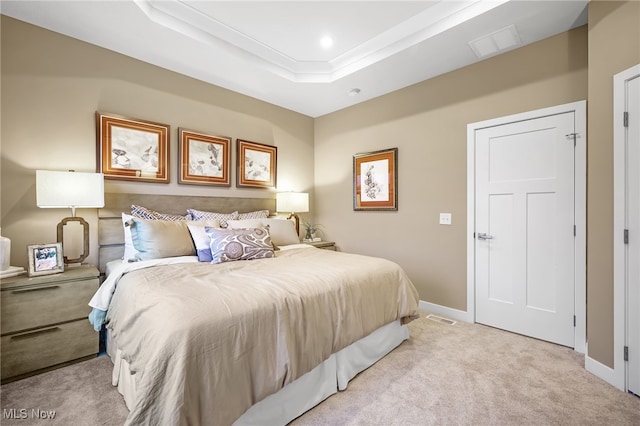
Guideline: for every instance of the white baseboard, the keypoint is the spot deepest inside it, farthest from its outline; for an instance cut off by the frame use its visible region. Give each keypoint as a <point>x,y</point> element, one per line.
<point>444,311</point>
<point>600,370</point>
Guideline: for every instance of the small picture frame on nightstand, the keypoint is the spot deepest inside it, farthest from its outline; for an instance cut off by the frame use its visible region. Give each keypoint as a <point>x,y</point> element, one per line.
<point>45,259</point>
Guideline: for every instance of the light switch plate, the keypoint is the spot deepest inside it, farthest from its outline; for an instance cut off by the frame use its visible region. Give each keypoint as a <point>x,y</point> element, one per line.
<point>445,218</point>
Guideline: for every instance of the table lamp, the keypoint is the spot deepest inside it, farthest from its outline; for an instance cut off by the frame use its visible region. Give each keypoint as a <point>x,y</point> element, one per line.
<point>56,189</point>
<point>293,202</point>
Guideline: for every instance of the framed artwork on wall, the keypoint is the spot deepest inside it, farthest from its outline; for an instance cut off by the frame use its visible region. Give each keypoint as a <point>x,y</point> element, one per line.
<point>132,149</point>
<point>375,180</point>
<point>256,164</point>
<point>203,159</point>
<point>45,259</point>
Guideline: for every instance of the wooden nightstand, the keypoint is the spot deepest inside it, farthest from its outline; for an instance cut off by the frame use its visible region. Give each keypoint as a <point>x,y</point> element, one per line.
<point>44,321</point>
<point>327,245</point>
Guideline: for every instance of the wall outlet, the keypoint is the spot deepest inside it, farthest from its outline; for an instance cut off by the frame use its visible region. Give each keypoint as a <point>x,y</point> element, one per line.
<point>445,218</point>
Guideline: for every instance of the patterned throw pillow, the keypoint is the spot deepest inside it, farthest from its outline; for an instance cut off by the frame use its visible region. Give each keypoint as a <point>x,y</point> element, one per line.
<point>281,231</point>
<point>220,217</point>
<point>228,245</point>
<point>258,214</point>
<point>145,213</point>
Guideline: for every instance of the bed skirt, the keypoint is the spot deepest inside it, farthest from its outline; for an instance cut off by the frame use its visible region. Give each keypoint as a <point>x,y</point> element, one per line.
<point>303,393</point>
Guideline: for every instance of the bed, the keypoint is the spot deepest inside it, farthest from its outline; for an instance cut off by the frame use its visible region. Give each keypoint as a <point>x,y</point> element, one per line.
<point>255,341</point>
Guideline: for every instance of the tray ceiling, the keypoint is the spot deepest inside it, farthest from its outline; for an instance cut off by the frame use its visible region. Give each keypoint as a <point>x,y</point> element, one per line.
<point>273,51</point>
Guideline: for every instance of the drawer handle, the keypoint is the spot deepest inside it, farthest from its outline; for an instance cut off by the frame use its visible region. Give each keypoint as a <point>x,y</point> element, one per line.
<point>34,333</point>
<point>49,287</point>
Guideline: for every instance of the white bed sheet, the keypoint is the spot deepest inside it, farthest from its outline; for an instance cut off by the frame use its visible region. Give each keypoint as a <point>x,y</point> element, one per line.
<point>294,399</point>
<point>305,392</point>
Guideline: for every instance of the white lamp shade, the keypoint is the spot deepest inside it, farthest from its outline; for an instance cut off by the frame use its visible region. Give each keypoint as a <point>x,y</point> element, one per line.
<point>56,189</point>
<point>292,202</point>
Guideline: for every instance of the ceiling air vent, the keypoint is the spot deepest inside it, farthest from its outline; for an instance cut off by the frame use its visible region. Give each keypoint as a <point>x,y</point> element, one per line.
<point>496,42</point>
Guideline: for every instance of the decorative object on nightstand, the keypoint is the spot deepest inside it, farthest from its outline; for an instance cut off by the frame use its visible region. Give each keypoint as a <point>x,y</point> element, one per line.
<point>45,259</point>
<point>72,190</point>
<point>6,270</point>
<point>293,202</point>
<point>5,252</point>
<point>310,232</point>
<point>44,321</point>
<point>326,245</point>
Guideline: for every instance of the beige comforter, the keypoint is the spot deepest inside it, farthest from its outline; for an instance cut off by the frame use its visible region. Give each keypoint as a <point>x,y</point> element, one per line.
<point>208,341</point>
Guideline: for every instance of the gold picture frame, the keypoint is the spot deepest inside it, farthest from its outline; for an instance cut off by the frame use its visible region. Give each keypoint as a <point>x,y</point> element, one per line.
<point>45,259</point>
<point>132,149</point>
<point>257,164</point>
<point>203,159</point>
<point>375,180</point>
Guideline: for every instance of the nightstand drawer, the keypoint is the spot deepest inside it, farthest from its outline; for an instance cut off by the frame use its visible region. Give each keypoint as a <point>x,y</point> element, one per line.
<point>39,305</point>
<point>48,346</point>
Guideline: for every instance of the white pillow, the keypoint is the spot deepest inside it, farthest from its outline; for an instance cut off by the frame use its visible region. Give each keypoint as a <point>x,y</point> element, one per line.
<point>130,251</point>
<point>201,239</point>
<point>282,232</point>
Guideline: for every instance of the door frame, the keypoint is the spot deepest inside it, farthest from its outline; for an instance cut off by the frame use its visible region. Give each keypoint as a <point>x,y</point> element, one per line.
<point>580,208</point>
<point>619,374</point>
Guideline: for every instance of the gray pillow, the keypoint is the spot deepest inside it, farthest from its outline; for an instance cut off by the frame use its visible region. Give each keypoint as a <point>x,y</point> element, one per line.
<point>156,239</point>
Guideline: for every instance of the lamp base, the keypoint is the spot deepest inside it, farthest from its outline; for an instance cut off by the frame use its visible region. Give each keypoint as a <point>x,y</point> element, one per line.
<point>85,238</point>
<point>297,220</point>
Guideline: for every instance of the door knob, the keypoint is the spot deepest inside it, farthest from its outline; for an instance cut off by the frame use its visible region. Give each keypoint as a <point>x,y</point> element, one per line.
<point>484,236</point>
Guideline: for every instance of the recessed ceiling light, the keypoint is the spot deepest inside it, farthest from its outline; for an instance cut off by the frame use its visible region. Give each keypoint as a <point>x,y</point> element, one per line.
<point>354,92</point>
<point>326,42</point>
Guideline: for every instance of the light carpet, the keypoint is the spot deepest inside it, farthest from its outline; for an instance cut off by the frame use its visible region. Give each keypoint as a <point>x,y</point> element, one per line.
<point>461,374</point>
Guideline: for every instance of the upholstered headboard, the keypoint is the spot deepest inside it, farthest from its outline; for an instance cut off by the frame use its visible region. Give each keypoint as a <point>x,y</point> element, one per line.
<point>111,234</point>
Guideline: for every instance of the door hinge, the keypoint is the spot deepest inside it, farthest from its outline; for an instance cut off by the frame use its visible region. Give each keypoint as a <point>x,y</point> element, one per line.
<point>574,320</point>
<point>574,230</point>
<point>573,136</point>
<point>625,119</point>
<point>626,353</point>
<point>626,236</point>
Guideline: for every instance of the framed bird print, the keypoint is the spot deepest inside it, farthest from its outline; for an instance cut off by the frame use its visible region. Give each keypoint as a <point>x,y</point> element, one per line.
<point>132,149</point>
<point>256,164</point>
<point>203,159</point>
<point>375,180</point>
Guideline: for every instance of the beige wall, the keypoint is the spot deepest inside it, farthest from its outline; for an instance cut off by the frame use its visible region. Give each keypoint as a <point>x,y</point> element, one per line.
<point>428,124</point>
<point>614,46</point>
<point>51,87</point>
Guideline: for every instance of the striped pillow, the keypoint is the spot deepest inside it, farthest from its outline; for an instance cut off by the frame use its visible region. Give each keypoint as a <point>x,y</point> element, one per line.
<point>258,214</point>
<point>145,213</point>
<point>220,217</point>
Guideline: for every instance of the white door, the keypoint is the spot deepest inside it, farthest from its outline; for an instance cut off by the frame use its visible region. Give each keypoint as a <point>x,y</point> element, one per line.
<point>633,227</point>
<point>524,227</point>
